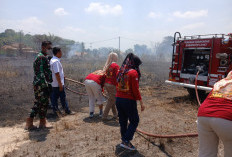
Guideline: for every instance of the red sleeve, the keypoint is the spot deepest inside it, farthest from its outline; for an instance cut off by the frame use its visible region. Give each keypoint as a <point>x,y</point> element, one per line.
<point>135,85</point>
<point>116,69</point>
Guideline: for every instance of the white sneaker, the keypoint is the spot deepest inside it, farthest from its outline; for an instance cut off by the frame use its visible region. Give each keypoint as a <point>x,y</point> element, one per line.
<point>127,146</point>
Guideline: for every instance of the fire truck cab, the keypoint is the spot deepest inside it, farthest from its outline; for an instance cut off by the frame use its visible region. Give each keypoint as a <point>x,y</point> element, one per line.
<point>211,55</point>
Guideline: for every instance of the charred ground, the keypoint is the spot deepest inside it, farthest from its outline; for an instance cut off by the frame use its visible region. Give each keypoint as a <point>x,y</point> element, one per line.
<point>170,110</point>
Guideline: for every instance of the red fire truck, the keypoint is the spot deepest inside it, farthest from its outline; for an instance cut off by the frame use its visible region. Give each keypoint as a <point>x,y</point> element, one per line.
<point>211,55</point>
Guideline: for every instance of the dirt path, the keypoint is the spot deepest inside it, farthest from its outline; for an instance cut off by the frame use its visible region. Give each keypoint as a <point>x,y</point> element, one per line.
<point>11,138</point>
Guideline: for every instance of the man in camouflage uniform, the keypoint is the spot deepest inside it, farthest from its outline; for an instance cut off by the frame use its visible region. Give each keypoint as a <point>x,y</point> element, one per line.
<point>42,81</point>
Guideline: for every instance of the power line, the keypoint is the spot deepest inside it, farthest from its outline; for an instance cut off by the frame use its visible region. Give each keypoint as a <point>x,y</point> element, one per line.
<point>99,41</point>
<point>135,40</point>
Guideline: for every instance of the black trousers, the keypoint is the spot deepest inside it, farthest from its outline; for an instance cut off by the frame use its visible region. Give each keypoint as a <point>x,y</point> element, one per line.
<point>127,110</point>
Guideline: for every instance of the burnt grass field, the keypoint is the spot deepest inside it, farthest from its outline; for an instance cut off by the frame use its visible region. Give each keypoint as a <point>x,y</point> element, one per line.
<point>169,110</point>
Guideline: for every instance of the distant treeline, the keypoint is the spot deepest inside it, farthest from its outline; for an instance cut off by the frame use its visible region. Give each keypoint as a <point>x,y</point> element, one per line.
<point>160,50</point>
<point>9,37</point>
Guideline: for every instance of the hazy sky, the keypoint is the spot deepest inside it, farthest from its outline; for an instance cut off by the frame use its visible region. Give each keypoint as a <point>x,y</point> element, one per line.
<point>136,21</point>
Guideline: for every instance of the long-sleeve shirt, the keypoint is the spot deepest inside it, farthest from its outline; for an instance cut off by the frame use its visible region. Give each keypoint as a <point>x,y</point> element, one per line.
<point>42,72</point>
<point>97,77</point>
<point>111,74</point>
<point>128,87</point>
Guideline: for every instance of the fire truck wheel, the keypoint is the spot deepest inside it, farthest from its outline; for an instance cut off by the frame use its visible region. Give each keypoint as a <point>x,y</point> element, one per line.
<point>202,94</point>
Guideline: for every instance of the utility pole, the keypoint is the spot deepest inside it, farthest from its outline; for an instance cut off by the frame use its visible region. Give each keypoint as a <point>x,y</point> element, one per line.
<point>82,49</point>
<point>20,43</point>
<point>119,45</point>
<point>91,46</point>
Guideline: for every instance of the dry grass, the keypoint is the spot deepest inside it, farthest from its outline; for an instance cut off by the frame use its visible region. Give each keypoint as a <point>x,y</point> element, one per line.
<point>169,110</point>
<point>8,74</point>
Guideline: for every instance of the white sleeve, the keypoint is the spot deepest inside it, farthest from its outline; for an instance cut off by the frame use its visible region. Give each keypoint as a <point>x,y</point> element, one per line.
<point>55,67</point>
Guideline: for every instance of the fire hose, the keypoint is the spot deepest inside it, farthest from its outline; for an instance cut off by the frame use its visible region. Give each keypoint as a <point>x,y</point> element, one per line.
<point>168,136</point>
<point>75,81</point>
<point>76,92</point>
<point>199,103</point>
<point>138,130</point>
<point>68,79</point>
<point>180,135</point>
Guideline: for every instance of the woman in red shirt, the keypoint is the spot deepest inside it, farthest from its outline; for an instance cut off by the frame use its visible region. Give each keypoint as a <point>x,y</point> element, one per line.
<point>94,83</point>
<point>215,120</point>
<point>111,69</point>
<point>126,96</point>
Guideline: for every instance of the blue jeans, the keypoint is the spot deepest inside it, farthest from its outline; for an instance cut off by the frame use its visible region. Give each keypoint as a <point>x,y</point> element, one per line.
<point>127,110</point>
<point>56,94</point>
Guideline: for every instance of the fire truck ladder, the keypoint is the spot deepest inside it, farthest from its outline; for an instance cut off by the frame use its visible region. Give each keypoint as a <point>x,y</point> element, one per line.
<point>205,36</point>
<point>174,54</point>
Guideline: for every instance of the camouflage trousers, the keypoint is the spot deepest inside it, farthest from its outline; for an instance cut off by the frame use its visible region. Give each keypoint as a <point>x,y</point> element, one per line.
<point>41,102</point>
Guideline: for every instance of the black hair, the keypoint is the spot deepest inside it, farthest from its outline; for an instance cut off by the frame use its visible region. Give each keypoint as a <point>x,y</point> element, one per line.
<point>135,62</point>
<point>56,50</point>
<point>45,43</point>
<point>49,42</point>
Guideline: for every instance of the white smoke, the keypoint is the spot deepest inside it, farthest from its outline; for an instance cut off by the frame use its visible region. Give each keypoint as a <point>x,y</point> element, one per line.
<point>75,49</point>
